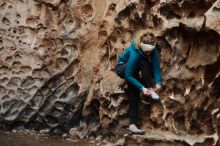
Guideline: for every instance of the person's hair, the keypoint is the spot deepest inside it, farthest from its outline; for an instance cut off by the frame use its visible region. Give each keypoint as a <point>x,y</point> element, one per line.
<point>145,38</point>
<point>138,36</point>
<point>148,39</point>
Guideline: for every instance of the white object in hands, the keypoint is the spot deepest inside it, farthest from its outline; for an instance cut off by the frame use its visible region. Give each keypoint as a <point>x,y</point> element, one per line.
<point>154,95</point>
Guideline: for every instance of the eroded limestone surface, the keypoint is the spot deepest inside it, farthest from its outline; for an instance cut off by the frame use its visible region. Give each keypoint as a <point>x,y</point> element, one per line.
<point>57,62</point>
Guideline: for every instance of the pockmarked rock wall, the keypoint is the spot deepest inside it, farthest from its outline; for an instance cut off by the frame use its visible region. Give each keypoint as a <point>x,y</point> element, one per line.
<point>57,60</point>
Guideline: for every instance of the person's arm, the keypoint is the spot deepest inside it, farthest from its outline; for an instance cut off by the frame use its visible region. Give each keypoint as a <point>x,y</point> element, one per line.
<point>130,71</point>
<point>156,66</point>
<point>123,57</point>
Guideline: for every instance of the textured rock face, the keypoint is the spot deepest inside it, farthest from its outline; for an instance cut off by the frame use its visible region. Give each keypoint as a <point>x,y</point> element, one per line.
<point>57,61</point>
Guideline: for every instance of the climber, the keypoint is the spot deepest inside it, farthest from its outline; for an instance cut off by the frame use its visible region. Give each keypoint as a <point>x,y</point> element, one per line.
<point>141,56</point>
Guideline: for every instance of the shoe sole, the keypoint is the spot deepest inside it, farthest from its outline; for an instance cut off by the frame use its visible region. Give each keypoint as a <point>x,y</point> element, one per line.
<point>135,133</point>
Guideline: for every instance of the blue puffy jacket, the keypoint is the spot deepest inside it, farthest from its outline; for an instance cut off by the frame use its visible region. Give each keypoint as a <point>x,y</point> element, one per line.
<point>132,56</point>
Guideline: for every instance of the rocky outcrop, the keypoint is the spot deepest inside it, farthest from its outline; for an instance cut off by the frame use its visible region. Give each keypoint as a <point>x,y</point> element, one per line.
<point>57,68</point>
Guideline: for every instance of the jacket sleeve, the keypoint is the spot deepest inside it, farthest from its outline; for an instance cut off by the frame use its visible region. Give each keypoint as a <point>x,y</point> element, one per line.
<point>156,66</point>
<point>130,71</point>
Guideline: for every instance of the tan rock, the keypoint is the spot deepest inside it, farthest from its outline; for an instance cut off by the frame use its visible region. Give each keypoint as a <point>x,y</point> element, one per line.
<point>213,17</point>
<point>57,61</point>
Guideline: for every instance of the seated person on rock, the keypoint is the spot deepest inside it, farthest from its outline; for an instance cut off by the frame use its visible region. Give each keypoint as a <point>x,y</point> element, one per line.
<point>141,56</point>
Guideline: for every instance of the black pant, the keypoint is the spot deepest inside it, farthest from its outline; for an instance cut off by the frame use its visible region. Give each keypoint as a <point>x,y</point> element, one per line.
<point>133,93</point>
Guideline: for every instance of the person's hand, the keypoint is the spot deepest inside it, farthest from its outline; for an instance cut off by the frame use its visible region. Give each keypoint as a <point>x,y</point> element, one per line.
<point>146,91</point>
<point>158,87</point>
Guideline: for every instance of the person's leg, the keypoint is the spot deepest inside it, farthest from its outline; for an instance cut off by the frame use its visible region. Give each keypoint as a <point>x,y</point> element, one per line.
<point>120,70</point>
<point>134,99</point>
<point>133,95</point>
<point>146,73</point>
